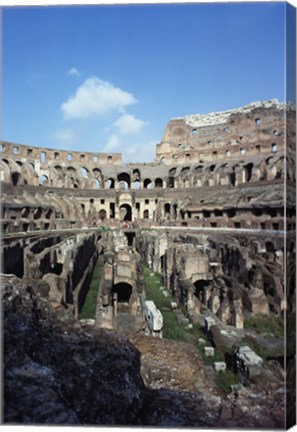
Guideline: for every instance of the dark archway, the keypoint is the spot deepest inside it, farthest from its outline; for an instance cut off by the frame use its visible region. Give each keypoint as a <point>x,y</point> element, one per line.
<point>232,178</point>
<point>110,183</point>
<point>123,290</point>
<point>102,215</point>
<point>147,184</point>
<point>15,177</point>
<point>249,171</point>
<point>158,183</point>
<point>167,209</point>
<point>200,289</point>
<point>270,247</point>
<point>145,214</point>
<point>126,212</point>
<point>124,181</point>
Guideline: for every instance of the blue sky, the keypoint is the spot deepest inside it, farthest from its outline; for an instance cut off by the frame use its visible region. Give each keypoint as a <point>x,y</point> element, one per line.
<point>109,78</point>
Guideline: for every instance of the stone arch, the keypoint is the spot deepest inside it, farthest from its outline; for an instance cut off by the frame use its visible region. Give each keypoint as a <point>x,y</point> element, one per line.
<point>37,213</point>
<point>185,170</point>
<point>248,171</point>
<point>97,173</point>
<point>43,180</point>
<point>110,183</point>
<point>269,246</point>
<point>201,286</point>
<point>126,212</point>
<point>146,214</point>
<point>136,184</point>
<point>102,215</point>
<point>136,174</point>
<point>123,291</point>
<point>16,178</point>
<point>97,183</point>
<point>84,171</point>
<point>124,180</point>
<point>158,183</point>
<point>147,184</point>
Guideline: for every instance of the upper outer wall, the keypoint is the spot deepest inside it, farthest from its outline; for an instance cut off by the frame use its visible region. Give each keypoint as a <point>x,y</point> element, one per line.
<point>246,131</point>
<point>45,155</point>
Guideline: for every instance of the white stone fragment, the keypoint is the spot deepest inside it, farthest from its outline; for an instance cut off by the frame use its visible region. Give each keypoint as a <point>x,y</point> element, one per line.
<point>219,366</point>
<point>209,351</point>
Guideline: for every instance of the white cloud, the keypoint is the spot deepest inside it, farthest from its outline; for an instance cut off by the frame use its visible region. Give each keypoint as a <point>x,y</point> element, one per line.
<point>139,151</point>
<point>113,143</point>
<point>129,125</point>
<point>65,135</point>
<point>96,98</point>
<point>74,72</point>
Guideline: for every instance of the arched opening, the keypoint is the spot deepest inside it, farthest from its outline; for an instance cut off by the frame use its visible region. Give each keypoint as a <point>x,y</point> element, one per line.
<point>249,171</point>
<point>110,183</point>
<point>171,182</point>
<point>16,178</point>
<point>96,173</point>
<point>83,210</point>
<point>57,168</point>
<point>158,183</point>
<point>126,212</point>
<point>147,184</point>
<point>43,180</point>
<point>24,213</point>
<point>37,213</point>
<point>136,184</point>
<point>136,174</point>
<point>162,261</point>
<point>167,209</point>
<point>102,215</point>
<point>84,172</point>
<point>124,181</point>
<point>185,170</point>
<point>270,247</point>
<point>145,214</point>
<point>200,289</point>
<point>48,214</point>
<point>232,178</point>
<point>98,184</point>
<point>199,169</point>
<point>123,290</point>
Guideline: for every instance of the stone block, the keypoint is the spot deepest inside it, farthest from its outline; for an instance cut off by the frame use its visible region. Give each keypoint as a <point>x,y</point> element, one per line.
<point>209,351</point>
<point>219,366</point>
<point>201,341</point>
<point>209,321</point>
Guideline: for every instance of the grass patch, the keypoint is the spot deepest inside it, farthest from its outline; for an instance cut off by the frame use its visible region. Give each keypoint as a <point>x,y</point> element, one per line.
<point>88,309</point>
<point>225,379</point>
<point>173,330</point>
<point>266,325</point>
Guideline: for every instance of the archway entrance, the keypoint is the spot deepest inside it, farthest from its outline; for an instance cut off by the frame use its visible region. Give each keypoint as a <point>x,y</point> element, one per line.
<point>15,177</point>
<point>200,290</point>
<point>125,212</point>
<point>123,291</point>
<point>102,215</point>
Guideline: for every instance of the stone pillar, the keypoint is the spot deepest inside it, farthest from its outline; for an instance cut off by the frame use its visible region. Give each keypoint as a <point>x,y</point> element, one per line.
<point>115,305</point>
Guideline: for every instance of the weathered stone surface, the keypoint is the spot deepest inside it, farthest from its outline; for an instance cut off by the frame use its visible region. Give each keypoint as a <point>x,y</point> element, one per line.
<point>54,374</point>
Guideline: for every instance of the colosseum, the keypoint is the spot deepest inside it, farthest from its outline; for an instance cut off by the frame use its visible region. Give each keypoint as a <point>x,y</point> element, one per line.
<point>212,219</point>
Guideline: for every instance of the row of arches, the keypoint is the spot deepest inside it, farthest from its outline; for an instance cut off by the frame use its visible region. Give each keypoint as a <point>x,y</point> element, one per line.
<point>269,168</point>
